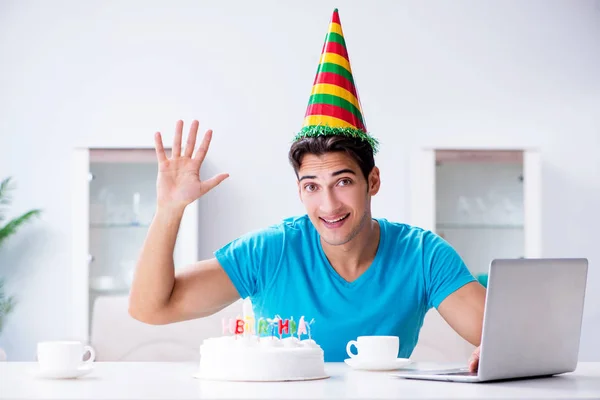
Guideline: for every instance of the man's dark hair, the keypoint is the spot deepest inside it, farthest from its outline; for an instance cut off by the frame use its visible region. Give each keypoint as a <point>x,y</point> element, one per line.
<point>358,149</point>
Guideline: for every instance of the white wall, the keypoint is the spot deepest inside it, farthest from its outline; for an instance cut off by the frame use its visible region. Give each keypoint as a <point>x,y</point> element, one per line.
<point>507,73</point>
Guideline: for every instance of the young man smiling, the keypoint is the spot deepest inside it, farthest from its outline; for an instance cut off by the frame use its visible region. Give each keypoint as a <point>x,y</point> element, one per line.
<point>354,274</point>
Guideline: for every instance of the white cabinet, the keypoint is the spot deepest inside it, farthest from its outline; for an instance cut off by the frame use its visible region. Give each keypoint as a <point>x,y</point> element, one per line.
<point>113,203</point>
<point>485,202</point>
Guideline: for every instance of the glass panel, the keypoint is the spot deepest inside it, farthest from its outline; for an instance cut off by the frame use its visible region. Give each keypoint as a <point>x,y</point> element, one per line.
<point>122,205</point>
<point>479,205</point>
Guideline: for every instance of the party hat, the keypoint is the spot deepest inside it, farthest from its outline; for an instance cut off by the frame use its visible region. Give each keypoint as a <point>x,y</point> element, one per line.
<point>334,106</point>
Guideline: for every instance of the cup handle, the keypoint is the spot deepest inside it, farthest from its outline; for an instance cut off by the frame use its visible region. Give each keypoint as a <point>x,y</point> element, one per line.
<point>349,348</point>
<point>92,354</point>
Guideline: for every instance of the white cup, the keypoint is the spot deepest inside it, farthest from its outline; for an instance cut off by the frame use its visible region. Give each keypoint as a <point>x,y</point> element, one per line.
<point>63,355</point>
<point>374,348</point>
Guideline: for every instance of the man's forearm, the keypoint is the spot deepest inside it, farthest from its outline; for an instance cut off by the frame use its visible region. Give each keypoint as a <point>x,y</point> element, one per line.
<point>155,270</point>
<point>463,310</point>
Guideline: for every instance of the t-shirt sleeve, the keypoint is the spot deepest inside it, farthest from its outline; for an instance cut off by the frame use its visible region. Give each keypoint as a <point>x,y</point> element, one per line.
<point>251,260</point>
<point>445,271</point>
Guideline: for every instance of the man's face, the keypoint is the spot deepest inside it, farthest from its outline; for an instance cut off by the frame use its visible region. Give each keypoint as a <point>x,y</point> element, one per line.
<point>336,195</point>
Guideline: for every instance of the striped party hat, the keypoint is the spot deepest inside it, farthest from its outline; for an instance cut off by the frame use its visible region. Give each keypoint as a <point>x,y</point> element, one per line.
<point>334,106</point>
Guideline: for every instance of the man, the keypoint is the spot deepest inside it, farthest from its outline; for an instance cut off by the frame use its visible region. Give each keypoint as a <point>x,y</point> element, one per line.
<point>354,274</point>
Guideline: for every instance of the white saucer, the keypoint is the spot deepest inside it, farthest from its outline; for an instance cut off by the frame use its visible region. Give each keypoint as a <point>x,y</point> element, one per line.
<point>63,374</point>
<point>377,365</point>
<point>200,376</point>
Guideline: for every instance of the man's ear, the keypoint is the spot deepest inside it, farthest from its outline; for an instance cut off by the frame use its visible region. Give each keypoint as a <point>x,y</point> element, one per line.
<point>374,181</point>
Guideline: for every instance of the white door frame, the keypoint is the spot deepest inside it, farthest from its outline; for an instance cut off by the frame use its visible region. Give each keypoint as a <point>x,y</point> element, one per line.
<point>80,222</point>
<point>422,192</point>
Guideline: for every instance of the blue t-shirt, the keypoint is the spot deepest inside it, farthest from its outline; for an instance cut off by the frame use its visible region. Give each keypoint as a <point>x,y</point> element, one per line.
<point>285,272</point>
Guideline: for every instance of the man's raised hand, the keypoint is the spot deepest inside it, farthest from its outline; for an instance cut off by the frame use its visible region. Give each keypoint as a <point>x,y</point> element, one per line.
<point>178,183</point>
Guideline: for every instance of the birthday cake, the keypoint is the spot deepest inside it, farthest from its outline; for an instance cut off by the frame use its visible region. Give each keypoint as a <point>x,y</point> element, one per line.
<point>265,350</point>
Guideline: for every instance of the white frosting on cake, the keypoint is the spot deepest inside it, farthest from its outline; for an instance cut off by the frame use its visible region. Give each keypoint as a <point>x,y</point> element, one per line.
<point>250,358</point>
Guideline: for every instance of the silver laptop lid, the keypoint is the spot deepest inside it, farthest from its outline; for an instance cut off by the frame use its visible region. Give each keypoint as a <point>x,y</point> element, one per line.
<point>532,320</point>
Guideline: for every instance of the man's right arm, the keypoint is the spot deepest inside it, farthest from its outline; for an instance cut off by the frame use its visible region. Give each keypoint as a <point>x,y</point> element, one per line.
<point>158,295</point>
<point>201,290</point>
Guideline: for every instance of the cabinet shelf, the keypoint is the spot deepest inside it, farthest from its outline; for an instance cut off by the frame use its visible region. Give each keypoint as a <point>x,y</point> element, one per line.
<point>478,226</point>
<point>121,226</point>
<point>115,290</point>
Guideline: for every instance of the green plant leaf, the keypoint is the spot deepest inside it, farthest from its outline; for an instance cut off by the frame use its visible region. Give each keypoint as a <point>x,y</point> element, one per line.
<point>5,199</point>
<point>7,304</point>
<point>5,187</point>
<point>13,225</point>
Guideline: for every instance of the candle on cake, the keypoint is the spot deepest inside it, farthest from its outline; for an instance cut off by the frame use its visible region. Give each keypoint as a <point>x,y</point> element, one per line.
<point>284,325</point>
<point>263,326</point>
<point>301,327</point>
<point>248,316</point>
<point>310,327</point>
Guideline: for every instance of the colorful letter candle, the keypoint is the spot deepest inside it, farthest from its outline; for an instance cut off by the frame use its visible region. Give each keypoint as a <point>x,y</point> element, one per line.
<point>301,327</point>
<point>239,326</point>
<point>249,324</point>
<point>262,326</point>
<point>224,324</point>
<point>284,325</point>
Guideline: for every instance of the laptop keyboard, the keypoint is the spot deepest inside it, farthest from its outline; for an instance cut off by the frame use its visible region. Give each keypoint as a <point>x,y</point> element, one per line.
<point>461,373</point>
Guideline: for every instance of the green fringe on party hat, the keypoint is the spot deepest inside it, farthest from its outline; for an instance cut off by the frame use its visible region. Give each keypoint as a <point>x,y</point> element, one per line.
<point>334,106</point>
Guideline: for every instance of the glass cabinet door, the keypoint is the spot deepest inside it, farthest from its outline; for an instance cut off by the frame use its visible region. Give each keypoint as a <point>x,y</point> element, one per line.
<point>479,205</point>
<point>122,196</point>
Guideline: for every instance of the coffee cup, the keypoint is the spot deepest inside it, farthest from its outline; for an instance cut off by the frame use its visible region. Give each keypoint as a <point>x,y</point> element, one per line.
<point>63,355</point>
<point>374,348</point>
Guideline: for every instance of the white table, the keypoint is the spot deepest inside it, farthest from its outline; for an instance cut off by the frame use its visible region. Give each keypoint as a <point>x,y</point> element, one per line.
<point>143,380</point>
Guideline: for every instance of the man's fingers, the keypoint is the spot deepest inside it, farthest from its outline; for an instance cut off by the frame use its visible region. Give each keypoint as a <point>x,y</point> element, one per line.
<point>474,365</point>
<point>191,139</point>
<point>160,150</point>
<point>201,152</point>
<point>176,152</point>
<point>214,181</point>
<point>474,361</point>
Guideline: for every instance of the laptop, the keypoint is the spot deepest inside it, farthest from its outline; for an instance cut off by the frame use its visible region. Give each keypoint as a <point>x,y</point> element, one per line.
<point>531,324</point>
